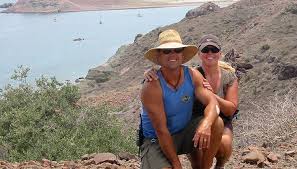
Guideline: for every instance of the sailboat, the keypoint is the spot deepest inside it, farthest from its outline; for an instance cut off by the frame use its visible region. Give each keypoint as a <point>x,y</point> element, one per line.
<point>139,15</point>
<point>100,20</point>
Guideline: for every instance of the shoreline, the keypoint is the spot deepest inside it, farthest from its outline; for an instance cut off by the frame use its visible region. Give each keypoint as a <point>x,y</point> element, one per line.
<point>114,7</point>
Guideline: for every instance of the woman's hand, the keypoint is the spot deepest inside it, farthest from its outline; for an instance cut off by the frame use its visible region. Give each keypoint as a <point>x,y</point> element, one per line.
<point>150,75</point>
<point>206,85</point>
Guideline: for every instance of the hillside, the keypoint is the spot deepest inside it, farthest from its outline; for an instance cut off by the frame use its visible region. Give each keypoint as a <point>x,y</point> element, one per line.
<point>263,35</point>
<point>259,40</point>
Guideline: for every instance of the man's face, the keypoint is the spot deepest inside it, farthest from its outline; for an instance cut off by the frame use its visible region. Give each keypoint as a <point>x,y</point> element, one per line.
<point>210,55</point>
<point>170,58</point>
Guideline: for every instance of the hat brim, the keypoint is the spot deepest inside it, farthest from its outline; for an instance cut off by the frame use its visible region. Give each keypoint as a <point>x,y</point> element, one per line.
<point>203,45</point>
<point>189,51</point>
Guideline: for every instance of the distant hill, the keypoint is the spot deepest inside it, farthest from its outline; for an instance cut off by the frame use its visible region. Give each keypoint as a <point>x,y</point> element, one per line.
<point>48,6</point>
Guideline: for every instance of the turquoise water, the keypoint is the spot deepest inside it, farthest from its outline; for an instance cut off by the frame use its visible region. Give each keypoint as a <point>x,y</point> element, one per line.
<point>44,42</point>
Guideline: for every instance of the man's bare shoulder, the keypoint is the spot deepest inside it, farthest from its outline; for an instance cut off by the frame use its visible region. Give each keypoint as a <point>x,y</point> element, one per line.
<point>196,75</point>
<point>151,87</point>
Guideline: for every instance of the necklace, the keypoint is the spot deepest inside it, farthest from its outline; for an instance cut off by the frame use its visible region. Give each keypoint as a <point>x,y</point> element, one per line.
<point>177,82</point>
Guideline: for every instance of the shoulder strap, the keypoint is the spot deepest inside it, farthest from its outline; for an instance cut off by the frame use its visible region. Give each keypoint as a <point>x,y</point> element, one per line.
<point>199,68</point>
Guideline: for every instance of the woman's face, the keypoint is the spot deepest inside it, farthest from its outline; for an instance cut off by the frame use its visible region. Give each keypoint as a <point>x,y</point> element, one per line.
<point>210,55</point>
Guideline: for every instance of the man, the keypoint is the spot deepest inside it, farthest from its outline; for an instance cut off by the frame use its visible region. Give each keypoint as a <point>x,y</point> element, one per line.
<point>168,126</point>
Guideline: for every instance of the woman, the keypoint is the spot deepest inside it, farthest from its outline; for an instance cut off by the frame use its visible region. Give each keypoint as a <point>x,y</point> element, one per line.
<point>220,78</point>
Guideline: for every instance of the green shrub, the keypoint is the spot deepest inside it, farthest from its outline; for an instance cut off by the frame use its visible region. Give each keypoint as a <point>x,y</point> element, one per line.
<point>45,122</point>
<point>292,8</point>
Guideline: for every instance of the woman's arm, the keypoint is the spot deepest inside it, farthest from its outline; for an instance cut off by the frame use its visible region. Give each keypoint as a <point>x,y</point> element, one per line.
<point>228,105</point>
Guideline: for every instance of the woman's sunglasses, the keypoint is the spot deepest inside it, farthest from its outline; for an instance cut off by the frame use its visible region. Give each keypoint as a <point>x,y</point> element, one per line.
<point>209,48</point>
<point>167,51</point>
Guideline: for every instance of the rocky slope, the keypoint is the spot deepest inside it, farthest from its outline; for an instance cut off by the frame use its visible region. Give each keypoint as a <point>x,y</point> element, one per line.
<point>259,38</point>
<point>263,34</point>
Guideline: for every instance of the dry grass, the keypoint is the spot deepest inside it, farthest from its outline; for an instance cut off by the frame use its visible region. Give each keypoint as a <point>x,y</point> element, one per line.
<point>270,122</point>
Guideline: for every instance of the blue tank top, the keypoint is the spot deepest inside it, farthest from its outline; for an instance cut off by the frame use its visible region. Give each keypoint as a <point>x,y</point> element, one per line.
<point>178,105</point>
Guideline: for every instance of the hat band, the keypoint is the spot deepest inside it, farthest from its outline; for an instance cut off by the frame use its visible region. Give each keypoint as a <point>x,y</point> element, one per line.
<point>170,41</point>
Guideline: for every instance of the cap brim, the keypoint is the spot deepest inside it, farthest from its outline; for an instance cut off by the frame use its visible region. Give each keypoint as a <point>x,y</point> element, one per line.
<point>189,51</point>
<point>203,45</point>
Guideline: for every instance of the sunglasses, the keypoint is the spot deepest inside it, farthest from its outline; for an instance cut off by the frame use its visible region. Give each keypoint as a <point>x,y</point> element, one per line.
<point>175,50</point>
<point>212,49</point>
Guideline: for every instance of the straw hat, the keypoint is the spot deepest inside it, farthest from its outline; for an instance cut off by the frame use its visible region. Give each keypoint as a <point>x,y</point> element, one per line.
<point>170,39</point>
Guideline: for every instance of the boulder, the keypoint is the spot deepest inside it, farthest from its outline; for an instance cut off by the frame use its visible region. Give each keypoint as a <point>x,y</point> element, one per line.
<point>272,158</point>
<point>204,9</point>
<point>254,157</point>
<point>137,37</point>
<point>126,156</point>
<point>99,76</point>
<point>245,66</point>
<point>287,72</point>
<point>85,157</point>
<point>105,157</point>
<point>290,153</point>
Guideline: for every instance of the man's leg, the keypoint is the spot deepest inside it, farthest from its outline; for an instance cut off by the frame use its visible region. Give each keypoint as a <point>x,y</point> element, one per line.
<point>152,156</point>
<point>202,159</point>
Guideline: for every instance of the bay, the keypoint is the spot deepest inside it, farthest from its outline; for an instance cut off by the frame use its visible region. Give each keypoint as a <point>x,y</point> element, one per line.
<point>45,42</point>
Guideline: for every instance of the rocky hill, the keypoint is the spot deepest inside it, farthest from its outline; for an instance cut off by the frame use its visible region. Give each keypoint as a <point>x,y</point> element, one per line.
<point>259,39</point>
<point>262,33</point>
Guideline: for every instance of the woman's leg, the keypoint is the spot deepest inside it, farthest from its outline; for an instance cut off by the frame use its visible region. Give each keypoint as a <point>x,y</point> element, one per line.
<point>202,159</point>
<point>225,149</point>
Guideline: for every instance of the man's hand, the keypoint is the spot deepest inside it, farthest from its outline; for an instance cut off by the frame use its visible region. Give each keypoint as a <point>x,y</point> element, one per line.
<point>202,135</point>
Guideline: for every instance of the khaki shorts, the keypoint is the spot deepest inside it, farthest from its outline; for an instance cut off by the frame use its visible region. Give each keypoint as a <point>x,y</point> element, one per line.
<point>151,154</point>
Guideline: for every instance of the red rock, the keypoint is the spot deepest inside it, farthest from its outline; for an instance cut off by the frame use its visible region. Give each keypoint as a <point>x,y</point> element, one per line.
<point>3,162</point>
<point>92,155</point>
<point>33,163</point>
<point>88,162</point>
<point>254,157</point>
<point>267,164</point>
<point>105,157</point>
<point>54,164</point>
<point>290,153</point>
<point>85,157</point>
<point>3,166</point>
<point>126,156</point>
<point>45,163</point>
<point>272,158</point>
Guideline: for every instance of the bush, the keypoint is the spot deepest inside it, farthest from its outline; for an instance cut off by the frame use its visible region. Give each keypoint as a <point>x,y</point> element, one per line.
<point>292,8</point>
<point>271,122</point>
<point>45,122</point>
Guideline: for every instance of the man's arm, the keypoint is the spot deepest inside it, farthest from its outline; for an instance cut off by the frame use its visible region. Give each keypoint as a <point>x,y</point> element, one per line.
<point>211,111</point>
<point>151,98</point>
